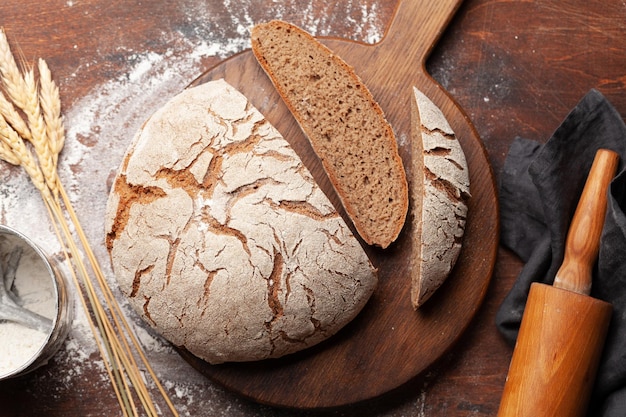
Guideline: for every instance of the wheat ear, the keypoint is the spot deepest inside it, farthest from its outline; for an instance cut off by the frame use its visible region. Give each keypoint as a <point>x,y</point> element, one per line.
<point>13,117</point>
<point>6,153</point>
<point>23,91</point>
<point>13,81</point>
<point>51,107</point>
<point>25,158</point>
<point>38,130</point>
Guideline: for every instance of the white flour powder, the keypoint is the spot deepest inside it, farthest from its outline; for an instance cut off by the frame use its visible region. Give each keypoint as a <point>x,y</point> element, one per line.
<point>35,288</point>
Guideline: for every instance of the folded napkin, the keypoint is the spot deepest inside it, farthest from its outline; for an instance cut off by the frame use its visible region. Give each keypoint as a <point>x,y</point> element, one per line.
<point>539,190</point>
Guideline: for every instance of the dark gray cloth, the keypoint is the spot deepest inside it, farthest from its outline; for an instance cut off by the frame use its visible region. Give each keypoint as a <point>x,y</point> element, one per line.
<point>539,190</point>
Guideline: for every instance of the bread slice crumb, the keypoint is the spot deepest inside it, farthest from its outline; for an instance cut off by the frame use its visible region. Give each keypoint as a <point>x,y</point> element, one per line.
<point>346,127</point>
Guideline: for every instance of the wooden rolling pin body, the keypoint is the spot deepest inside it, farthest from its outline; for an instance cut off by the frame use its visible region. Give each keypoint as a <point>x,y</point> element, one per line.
<point>563,329</point>
<point>556,356</point>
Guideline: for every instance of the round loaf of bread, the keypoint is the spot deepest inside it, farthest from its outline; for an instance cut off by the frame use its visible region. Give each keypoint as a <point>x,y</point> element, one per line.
<point>222,240</point>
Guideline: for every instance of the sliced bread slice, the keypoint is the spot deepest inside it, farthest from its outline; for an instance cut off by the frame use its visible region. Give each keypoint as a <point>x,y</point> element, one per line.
<point>439,193</point>
<point>345,125</point>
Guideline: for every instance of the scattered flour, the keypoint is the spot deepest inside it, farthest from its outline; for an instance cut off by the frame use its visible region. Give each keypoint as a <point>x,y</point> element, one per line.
<point>101,125</point>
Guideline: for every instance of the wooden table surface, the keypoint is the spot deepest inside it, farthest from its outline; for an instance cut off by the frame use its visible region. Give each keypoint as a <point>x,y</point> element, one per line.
<point>516,68</point>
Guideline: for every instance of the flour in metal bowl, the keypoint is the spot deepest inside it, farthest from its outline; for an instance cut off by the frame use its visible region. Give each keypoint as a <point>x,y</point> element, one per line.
<point>35,312</point>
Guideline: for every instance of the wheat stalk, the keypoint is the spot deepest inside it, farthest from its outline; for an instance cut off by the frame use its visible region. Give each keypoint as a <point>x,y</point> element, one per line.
<point>31,113</point>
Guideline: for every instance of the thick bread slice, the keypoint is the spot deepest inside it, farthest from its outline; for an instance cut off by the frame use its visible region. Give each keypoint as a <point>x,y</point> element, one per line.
<point>345,125</point>
<point>221,239</point>
<point>439,193</point>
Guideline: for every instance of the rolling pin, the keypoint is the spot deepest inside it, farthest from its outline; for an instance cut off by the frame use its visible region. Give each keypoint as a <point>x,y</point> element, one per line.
<point>562,332</point>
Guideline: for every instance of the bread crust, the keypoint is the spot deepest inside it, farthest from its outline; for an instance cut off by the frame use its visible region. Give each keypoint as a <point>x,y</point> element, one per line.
<point>439,193</point>
<point>344,124</point>
<point>222,241</point>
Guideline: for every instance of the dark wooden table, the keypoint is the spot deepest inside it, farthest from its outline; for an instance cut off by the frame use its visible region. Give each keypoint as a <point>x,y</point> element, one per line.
<point>515,67</point>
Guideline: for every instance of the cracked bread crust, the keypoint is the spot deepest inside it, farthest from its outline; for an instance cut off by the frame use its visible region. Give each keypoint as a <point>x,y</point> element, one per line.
<point>344,124</point>
<point>439,193</point>
<point>221,239</point>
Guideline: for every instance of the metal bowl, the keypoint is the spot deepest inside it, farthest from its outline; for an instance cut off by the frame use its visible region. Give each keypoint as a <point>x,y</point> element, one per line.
<point>36,311</point>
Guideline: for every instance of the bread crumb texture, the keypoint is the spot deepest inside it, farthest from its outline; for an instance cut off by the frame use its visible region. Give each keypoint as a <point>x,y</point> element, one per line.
<point>345,125</point>
<point>222,240</point>
<point>439,193</point>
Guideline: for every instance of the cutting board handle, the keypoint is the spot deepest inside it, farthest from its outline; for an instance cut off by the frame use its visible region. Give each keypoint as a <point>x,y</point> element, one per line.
<point>417,26</point>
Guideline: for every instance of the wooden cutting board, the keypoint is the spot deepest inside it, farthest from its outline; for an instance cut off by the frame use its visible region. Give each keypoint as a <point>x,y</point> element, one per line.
<point>389,343</point>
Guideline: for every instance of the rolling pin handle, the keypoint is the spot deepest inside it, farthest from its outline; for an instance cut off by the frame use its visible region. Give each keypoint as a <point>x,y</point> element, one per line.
<point>583,239</point>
